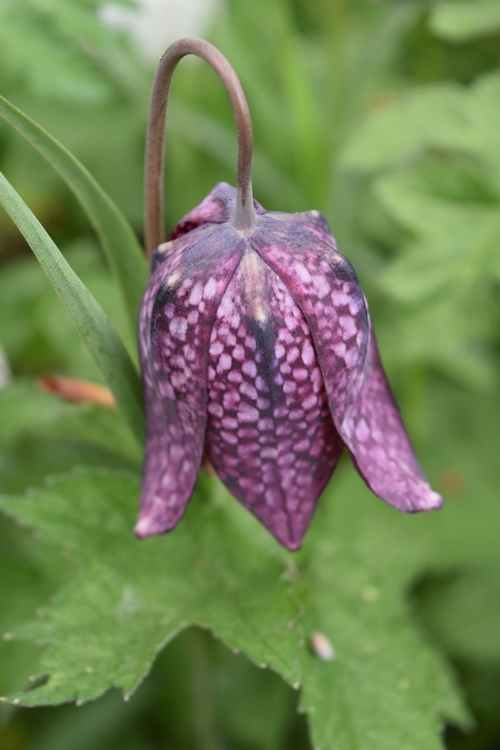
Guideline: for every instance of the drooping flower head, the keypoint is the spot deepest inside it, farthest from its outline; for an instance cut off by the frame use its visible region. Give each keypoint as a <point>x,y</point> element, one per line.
<point>257,347</point>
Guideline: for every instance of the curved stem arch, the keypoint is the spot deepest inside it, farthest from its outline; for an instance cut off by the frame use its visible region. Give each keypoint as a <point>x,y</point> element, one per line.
<point>244,218</point>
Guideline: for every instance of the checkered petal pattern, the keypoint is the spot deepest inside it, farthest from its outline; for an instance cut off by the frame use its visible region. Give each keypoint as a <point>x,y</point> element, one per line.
<point>259,349</point>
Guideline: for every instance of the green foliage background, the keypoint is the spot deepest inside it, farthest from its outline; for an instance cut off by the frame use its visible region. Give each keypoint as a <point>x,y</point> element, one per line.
<point>386,117</point>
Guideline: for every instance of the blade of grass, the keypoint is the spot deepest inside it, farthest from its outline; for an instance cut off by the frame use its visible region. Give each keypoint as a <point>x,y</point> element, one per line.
<point>94,326</point>
<point>123,252</point>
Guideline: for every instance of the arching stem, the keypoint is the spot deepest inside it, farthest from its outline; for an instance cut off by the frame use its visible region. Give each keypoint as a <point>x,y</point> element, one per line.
<point>244,218</point>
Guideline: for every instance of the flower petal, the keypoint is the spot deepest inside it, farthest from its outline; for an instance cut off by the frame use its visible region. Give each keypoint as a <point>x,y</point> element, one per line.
<point>176,320</point>
<point>325,286</point>
<point>311,221</point>
<point>270,435</point>
<point>381,449</point>
<point>217,208</point>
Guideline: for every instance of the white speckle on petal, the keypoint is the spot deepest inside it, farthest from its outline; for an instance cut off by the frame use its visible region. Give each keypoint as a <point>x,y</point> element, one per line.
<point>302,272</point>
<point>178,328</point>
<point>249,368</point>
<point>300,374</point>
<point>247,413</point>
<point>196,294</point>
<point>216,348</point>
<point>215,409</point>
<point>308,353</point>
<point>209,289</point>
<point>225,363</point>
<point>248,390</point>
<point>348,325</point>
<point>321,285</point>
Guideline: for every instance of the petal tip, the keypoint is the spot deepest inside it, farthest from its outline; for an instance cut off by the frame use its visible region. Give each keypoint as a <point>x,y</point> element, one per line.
<point>434,501</point>
<point>290,543</point>
<point>428,500</point>
<point>292,546</point>
<point>143,528</point>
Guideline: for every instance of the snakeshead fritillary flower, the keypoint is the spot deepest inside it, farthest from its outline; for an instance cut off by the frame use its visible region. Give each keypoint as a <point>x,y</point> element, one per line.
<point>258,348</point>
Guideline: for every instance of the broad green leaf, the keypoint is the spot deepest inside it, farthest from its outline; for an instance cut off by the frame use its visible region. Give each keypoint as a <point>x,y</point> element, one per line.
<point>124,255</point>
<point>98,334</point>
<point>407,127</point>
<point>30,574</point>
<point>22,590</point>
<point>462,20</point>
<point>440,148</point>
<point>444,274</point>
<point>50,47</point>
<point>39,435</point>
<point>449,117</point>
<point>457,240</point>
<point>221,569</point>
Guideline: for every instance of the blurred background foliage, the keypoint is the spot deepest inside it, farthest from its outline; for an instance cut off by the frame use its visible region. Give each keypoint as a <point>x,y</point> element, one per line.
<point>386,117</point>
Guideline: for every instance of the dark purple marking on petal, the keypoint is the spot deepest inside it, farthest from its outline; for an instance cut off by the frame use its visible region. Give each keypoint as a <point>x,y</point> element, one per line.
<point>176,320</point>
<point>270,435</point>
<point>325,286</point>
<point>311,221</point>
<point>217,208</point>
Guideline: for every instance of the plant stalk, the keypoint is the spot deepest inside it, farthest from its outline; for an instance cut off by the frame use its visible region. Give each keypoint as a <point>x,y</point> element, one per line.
<point>244,218</point>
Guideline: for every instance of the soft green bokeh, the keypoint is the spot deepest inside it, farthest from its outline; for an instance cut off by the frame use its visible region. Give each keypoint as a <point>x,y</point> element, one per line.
<point>385,116</point>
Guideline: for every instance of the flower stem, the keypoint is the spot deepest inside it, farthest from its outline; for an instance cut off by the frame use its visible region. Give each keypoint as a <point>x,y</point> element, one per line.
<point>244,218</point>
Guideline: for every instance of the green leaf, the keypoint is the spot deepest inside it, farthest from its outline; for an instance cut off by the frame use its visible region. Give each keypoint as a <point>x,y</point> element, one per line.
<point>42,435</point>
<point>222,570</point>
<point>124,255</point>
<point>456,246</point>
<point>445,273</point>
<point>447,117</point>
<point>97,332</point>
<point>31,573</point>
<point>23,587</point>
<point>462,20</point>
<point>440,148</point>
<point>51,47</point>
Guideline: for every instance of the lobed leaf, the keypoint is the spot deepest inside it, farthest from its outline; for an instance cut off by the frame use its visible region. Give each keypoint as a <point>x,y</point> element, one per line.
<point>448,117</point>
<point>221,570</point>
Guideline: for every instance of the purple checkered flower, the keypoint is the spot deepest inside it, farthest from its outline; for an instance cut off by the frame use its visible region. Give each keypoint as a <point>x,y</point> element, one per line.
<point>257,347</point>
